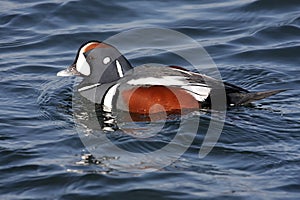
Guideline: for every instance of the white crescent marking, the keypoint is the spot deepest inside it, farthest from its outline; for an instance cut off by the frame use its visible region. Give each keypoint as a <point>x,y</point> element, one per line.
<point>107,103</point>
<point>82,66</point>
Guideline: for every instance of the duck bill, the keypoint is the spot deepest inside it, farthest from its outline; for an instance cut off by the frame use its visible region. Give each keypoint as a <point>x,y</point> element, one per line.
<point>70,71</point>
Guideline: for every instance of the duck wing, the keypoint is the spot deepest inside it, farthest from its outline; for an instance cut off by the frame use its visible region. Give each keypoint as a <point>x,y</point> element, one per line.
<point>202,87</point>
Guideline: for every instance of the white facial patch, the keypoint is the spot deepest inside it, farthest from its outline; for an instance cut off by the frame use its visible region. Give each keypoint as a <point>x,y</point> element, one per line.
<point>106,60</point>
<point>82,66</point>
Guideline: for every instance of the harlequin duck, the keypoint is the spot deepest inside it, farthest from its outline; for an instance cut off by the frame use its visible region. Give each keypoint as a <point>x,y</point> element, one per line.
<point>107,76</point>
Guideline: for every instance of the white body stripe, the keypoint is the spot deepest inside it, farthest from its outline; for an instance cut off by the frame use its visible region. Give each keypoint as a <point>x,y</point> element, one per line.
<point>119,68</point>
<point>107,103</point>
<point>88,87</point>
<point>200,93</point>
<point>181,70</point>
<point>165,80</point>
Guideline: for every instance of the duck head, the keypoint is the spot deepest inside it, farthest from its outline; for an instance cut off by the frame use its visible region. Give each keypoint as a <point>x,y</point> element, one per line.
<point>98,63</point>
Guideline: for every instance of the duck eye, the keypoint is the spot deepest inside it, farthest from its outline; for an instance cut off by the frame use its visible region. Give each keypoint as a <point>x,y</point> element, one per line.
<point>106,60</point>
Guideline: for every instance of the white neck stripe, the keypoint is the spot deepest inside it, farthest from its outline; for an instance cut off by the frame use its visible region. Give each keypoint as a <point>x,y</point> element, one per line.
<point>88,87</point>
<point>119,68</point>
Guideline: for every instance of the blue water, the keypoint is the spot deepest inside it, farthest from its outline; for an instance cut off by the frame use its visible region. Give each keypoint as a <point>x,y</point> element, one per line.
<point>255,44</point>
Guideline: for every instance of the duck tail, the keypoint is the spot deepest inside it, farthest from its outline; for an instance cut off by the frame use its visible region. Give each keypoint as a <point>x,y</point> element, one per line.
<point>236,99</point>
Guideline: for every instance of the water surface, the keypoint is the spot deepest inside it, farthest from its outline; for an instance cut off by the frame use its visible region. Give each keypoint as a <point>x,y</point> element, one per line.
<point>255,44</point>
